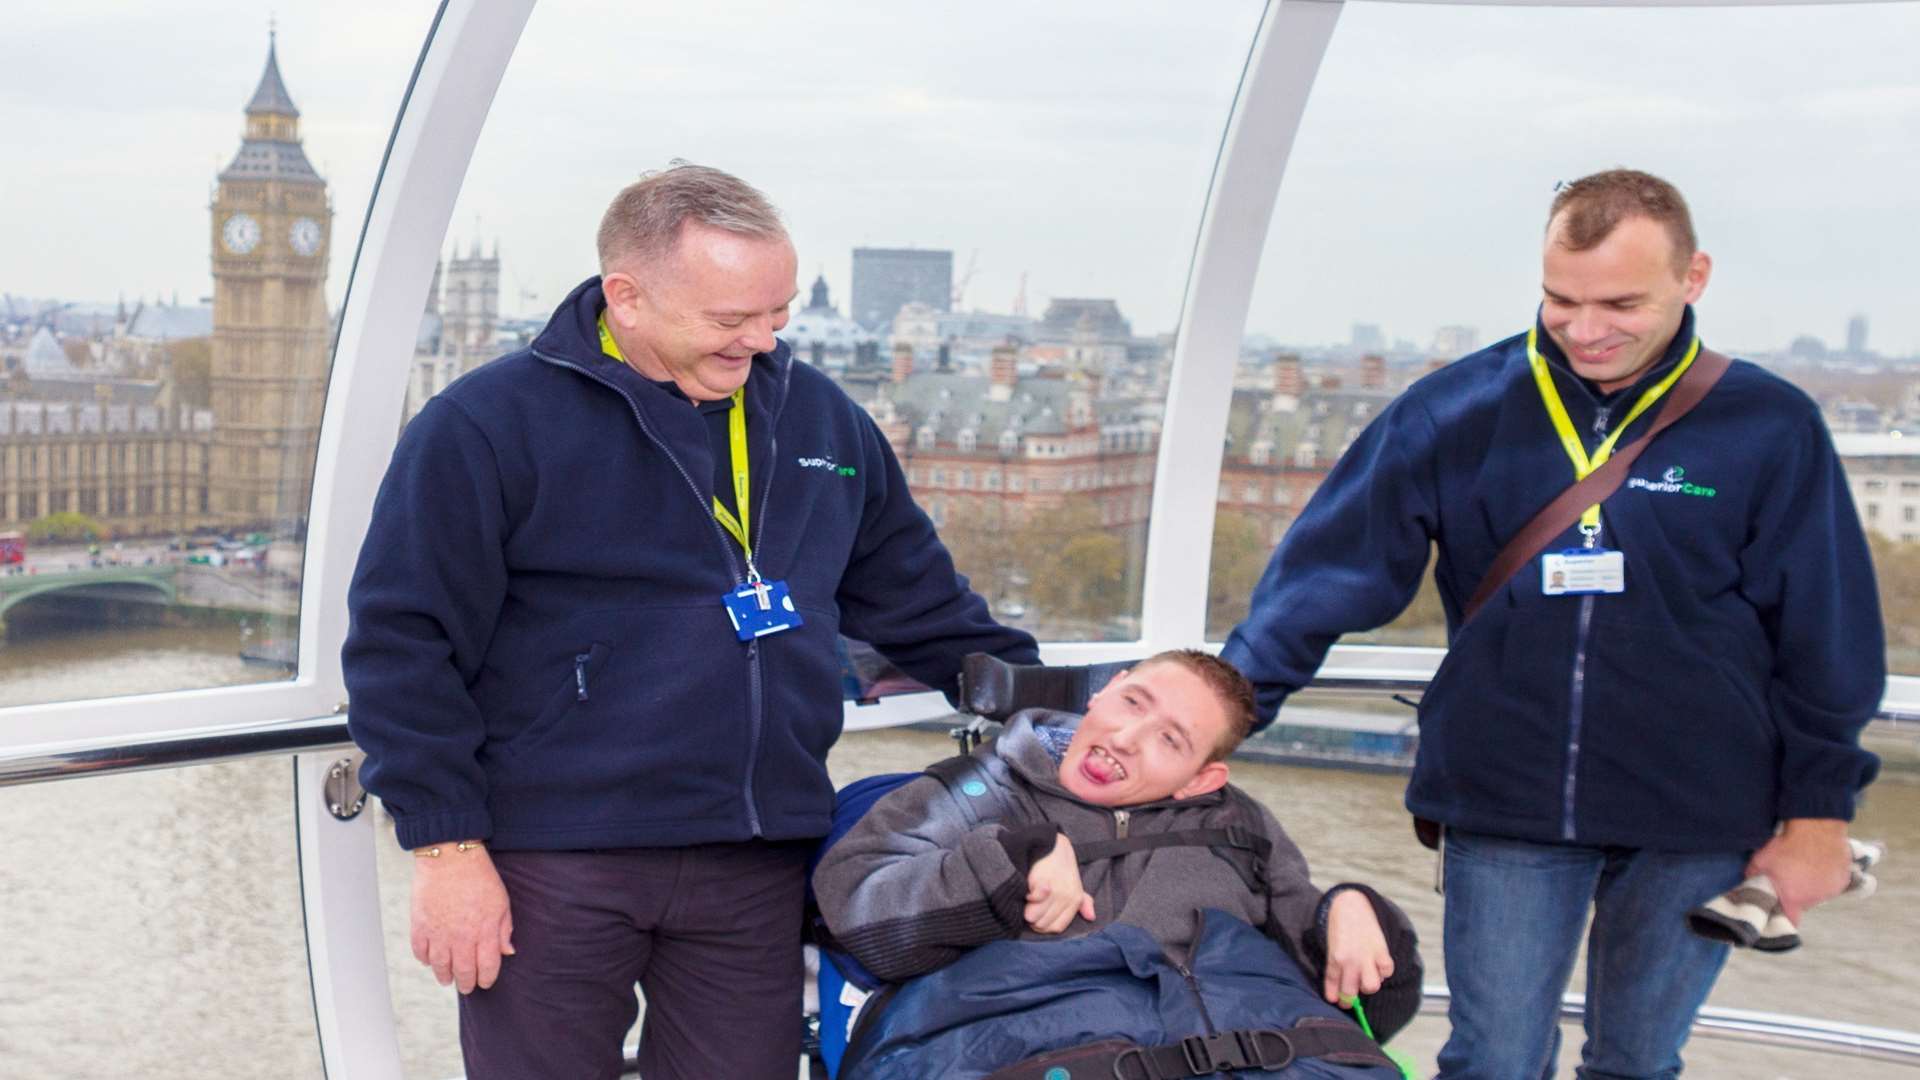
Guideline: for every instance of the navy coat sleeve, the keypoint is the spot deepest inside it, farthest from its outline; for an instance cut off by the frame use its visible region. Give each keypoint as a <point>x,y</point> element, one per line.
<point>901,593</point>
<point>1352,560</point>
<point>423,602</point>
<point>1807,570</point>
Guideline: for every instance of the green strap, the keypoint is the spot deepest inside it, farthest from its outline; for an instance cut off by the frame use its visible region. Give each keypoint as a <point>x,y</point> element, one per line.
<point>1401,1060</point>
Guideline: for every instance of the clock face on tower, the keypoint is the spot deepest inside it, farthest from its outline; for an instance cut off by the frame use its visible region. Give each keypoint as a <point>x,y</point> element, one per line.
<point>305,236</point>
<point>240,234</point>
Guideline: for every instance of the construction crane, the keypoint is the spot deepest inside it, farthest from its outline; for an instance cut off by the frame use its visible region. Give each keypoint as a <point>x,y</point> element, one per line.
<point>529,298</point>
<point>960,289</point>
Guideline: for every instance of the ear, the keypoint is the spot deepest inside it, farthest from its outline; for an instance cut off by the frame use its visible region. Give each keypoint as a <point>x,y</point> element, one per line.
<point>623,292</point>
<point>1211,777</point>
<point>1118,678</point>
<point>1699,269</point>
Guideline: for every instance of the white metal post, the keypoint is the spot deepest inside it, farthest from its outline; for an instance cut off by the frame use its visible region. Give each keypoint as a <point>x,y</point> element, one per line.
<point>433,139</point>
<point>1280,70</point>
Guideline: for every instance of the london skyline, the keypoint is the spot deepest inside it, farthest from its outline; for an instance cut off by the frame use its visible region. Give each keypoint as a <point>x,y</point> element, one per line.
<point>1798,152</point>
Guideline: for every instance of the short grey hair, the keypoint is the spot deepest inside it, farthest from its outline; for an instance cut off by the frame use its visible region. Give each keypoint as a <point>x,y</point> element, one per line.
<point>645,218</point>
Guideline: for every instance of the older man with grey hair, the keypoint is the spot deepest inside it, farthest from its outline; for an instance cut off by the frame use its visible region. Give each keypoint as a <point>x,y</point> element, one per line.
<point>593,653</point>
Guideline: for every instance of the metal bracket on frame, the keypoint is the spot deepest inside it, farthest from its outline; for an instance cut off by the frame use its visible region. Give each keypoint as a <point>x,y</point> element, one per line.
<point>345,797</point>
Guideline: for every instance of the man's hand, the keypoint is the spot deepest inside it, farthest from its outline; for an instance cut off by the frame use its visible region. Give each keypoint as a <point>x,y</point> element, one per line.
<point>1357,957</point>
<point>1808,863</point>
<point>461,925</point>
<point>1054,891</point>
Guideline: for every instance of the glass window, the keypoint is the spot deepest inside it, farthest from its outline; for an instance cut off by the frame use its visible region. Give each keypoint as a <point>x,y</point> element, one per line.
<point>155,917</point>
<point>960,276</point>
<point>166,334</point>
<point>1437,256</point>
<point>1448,264</point>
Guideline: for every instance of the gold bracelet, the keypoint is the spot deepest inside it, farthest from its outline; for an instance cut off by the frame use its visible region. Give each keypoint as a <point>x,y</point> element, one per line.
<point>434,851</point>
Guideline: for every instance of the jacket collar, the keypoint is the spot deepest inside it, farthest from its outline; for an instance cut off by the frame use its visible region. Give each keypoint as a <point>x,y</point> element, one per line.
<point>572,335</point>
<point>1675,351</point>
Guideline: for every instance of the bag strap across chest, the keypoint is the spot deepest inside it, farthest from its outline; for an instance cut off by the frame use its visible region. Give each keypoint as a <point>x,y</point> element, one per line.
<point>1559,515</point>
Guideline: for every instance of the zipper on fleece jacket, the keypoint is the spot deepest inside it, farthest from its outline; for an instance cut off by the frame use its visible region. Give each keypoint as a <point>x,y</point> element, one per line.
<point>1193,981</point>
<point>756,696</point>
<point>1577,690</point>
<point>756,707</point>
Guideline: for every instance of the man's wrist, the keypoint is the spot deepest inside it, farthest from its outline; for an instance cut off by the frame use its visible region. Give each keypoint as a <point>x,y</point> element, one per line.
<point>1836,827</point>
<point>449,848</point>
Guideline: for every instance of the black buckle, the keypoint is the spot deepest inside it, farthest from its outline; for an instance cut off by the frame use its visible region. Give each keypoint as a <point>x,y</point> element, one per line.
<point>1211,1053</point>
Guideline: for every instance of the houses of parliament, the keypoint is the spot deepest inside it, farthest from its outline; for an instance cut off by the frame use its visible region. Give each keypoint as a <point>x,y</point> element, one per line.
<point>101,425</point>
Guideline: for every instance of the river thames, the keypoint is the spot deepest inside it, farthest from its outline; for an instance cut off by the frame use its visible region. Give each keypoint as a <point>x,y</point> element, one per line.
<point>151,921</point>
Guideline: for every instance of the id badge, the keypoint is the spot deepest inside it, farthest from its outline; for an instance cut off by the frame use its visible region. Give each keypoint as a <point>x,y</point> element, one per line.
<point>1583,572</point>
<point>760,609</point>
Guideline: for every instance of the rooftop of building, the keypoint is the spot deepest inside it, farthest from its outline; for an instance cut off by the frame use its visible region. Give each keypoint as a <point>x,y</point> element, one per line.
<point>1328,417</point>
<point>172,322</point>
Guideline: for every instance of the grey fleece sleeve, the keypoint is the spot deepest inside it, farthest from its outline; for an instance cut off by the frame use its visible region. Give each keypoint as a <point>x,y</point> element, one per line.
<point>911,887</point>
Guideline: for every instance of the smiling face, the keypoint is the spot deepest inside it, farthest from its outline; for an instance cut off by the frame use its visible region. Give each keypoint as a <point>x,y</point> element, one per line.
<point>1150,734</point>
<point>1613,307</point>
<point>700,315</point>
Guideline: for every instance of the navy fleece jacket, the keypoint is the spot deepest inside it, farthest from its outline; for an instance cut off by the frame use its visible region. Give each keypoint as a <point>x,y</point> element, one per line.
<point>538,654</point>
<point>1723,691</point>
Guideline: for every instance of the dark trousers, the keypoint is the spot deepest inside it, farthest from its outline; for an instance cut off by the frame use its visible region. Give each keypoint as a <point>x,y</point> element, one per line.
<point>711,934</point>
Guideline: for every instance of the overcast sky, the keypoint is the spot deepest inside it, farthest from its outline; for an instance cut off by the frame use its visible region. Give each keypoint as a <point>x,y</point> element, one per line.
<point>1069,142</point>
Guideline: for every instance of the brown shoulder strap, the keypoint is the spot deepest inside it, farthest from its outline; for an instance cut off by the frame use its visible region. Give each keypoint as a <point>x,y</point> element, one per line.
<point>1560,514</point>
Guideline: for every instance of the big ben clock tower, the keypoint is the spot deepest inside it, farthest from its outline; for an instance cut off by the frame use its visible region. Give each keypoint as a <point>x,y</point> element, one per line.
<point>271,226</point>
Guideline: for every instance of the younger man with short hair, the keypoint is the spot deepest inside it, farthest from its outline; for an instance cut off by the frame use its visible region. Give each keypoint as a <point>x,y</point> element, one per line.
<point>917,883</point>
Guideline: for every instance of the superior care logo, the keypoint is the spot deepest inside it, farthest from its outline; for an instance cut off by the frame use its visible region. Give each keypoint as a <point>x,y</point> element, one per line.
<point>1673,482</point>
<point>825,463</point>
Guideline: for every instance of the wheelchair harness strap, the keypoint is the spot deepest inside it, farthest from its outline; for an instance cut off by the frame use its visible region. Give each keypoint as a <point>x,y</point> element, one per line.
<point>1268,1049</point>
<point>1235,837</point>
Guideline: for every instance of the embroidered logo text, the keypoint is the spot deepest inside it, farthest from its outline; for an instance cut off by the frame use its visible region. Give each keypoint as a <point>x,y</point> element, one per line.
<point>1673,482</point>
<point>826,463</point>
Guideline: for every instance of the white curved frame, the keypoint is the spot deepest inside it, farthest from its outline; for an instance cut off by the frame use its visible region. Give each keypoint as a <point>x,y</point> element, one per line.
<point>463,62</point>
<point>460,69</point>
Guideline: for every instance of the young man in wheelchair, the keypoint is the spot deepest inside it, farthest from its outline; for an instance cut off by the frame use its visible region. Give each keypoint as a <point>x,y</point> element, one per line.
<point>1093,892</point>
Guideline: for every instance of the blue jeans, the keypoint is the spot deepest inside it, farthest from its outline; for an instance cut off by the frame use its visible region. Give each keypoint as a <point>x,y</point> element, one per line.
<point>1514,912</point>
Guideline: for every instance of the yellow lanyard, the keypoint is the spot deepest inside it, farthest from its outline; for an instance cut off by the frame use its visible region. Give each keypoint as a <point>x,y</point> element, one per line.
<point>1570,439</point>
<point>737,448</point>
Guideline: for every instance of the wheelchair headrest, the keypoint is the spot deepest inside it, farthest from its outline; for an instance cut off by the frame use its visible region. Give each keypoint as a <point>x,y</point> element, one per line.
<point>992,688</point>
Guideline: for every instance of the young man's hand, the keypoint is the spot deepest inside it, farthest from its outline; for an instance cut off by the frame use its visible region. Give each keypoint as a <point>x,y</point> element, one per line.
<point>1357,957</point>
<point>1054,892</point>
